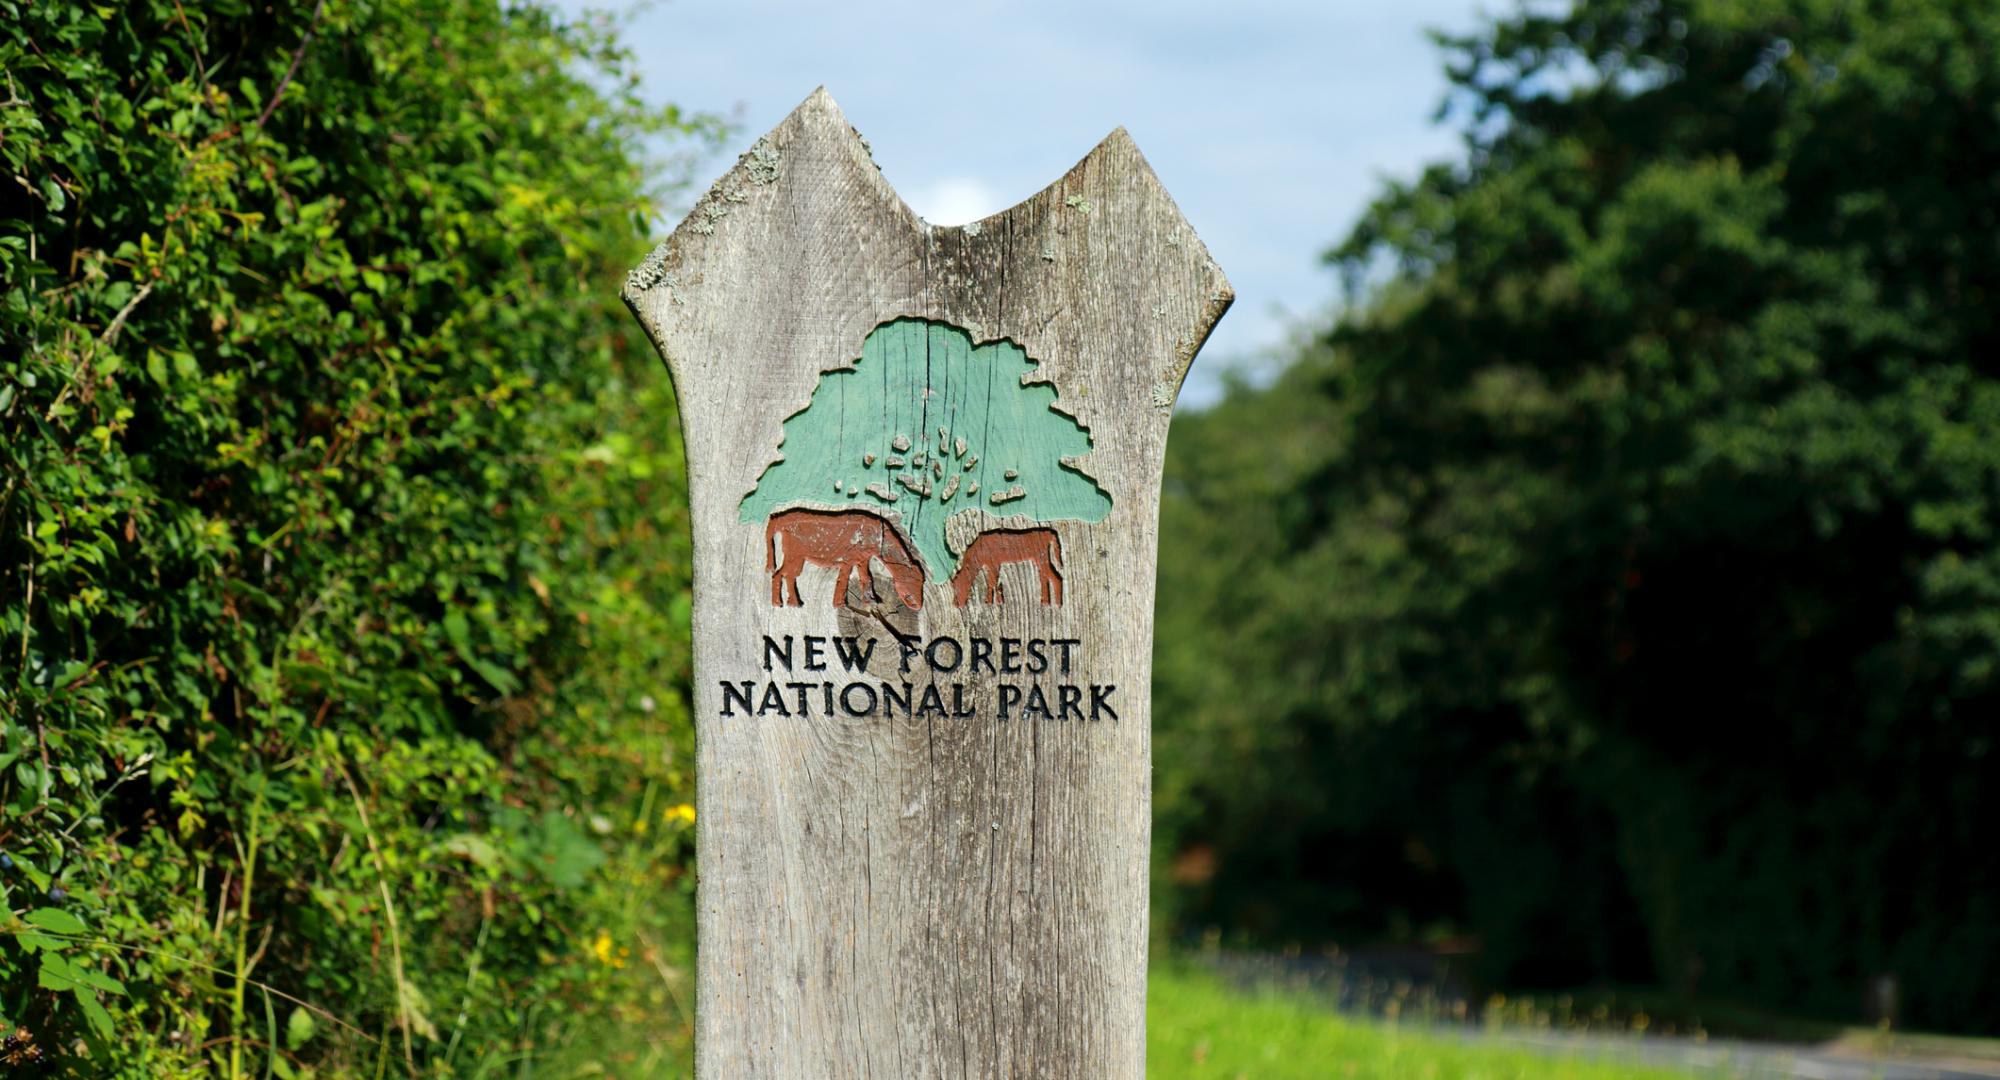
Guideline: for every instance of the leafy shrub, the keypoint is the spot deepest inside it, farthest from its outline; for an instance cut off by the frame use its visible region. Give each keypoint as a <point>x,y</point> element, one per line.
<point>343,561</point>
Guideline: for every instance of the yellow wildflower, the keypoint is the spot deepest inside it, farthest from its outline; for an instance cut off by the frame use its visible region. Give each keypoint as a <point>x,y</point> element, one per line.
<point>682,812</point>
<point>601,948</point>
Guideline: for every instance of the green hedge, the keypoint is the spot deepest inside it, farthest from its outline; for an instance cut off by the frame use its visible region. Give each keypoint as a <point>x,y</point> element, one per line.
<point>343,554</point>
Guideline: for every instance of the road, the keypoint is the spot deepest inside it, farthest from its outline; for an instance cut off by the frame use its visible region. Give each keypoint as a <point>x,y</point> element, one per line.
<point>1737,1059</point>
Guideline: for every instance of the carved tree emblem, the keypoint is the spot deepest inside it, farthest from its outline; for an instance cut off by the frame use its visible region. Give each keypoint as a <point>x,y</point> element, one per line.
<point>958,446</point>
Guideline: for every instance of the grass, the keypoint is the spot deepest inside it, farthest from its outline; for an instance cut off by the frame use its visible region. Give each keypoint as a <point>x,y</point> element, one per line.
<point>1197,1028</point>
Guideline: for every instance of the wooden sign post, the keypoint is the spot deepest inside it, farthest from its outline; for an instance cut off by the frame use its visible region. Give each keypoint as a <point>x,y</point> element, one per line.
<point>924,464</point>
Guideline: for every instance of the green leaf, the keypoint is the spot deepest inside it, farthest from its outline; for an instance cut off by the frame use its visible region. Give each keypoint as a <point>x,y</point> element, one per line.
<point>100,1021</point>
<point>474,847</point>
<point>98,980</point>
<point>565,854</point>
<point>57,973</point>
<point>413,1015</point>
<point>299,1028</point>
<point>55,921</point>
<point>496,676</point>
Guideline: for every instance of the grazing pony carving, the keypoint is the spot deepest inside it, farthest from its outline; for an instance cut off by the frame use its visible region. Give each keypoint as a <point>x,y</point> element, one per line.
<point>844,540</point>
<point>990,551</point>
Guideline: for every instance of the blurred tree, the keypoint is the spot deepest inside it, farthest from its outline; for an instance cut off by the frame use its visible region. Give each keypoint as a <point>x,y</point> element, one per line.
<point>1627,557</point>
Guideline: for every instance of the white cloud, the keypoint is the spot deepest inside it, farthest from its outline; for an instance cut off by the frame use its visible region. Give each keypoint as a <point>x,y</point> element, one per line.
<point>1272,122</point>
<point>955,200</point>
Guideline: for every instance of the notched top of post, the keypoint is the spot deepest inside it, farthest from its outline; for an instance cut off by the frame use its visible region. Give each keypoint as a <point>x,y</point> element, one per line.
<point>812,182</point>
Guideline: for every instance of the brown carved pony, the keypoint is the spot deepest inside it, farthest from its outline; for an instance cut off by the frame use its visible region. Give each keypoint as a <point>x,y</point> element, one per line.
<point>844,540</point>
<point>992,550</point>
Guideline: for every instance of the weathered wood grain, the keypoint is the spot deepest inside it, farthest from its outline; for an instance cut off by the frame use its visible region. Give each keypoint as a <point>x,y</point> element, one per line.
<point>924,895</point>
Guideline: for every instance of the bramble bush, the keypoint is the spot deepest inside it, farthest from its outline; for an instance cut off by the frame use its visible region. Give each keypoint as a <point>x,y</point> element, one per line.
<point>343,553</point>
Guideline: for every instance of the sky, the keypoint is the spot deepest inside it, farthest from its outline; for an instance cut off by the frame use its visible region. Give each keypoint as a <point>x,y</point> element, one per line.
<point>1271,122</point>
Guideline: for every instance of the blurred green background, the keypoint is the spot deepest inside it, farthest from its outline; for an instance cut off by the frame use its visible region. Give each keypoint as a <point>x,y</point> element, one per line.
<point>1603,605</point>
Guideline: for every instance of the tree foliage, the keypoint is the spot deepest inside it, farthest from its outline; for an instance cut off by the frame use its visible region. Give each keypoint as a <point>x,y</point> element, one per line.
<point>1647,499</point>
<point>342,542</point>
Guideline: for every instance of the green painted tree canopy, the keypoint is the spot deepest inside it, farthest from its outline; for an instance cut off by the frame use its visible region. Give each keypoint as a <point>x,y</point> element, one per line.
<point>926,427</point>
